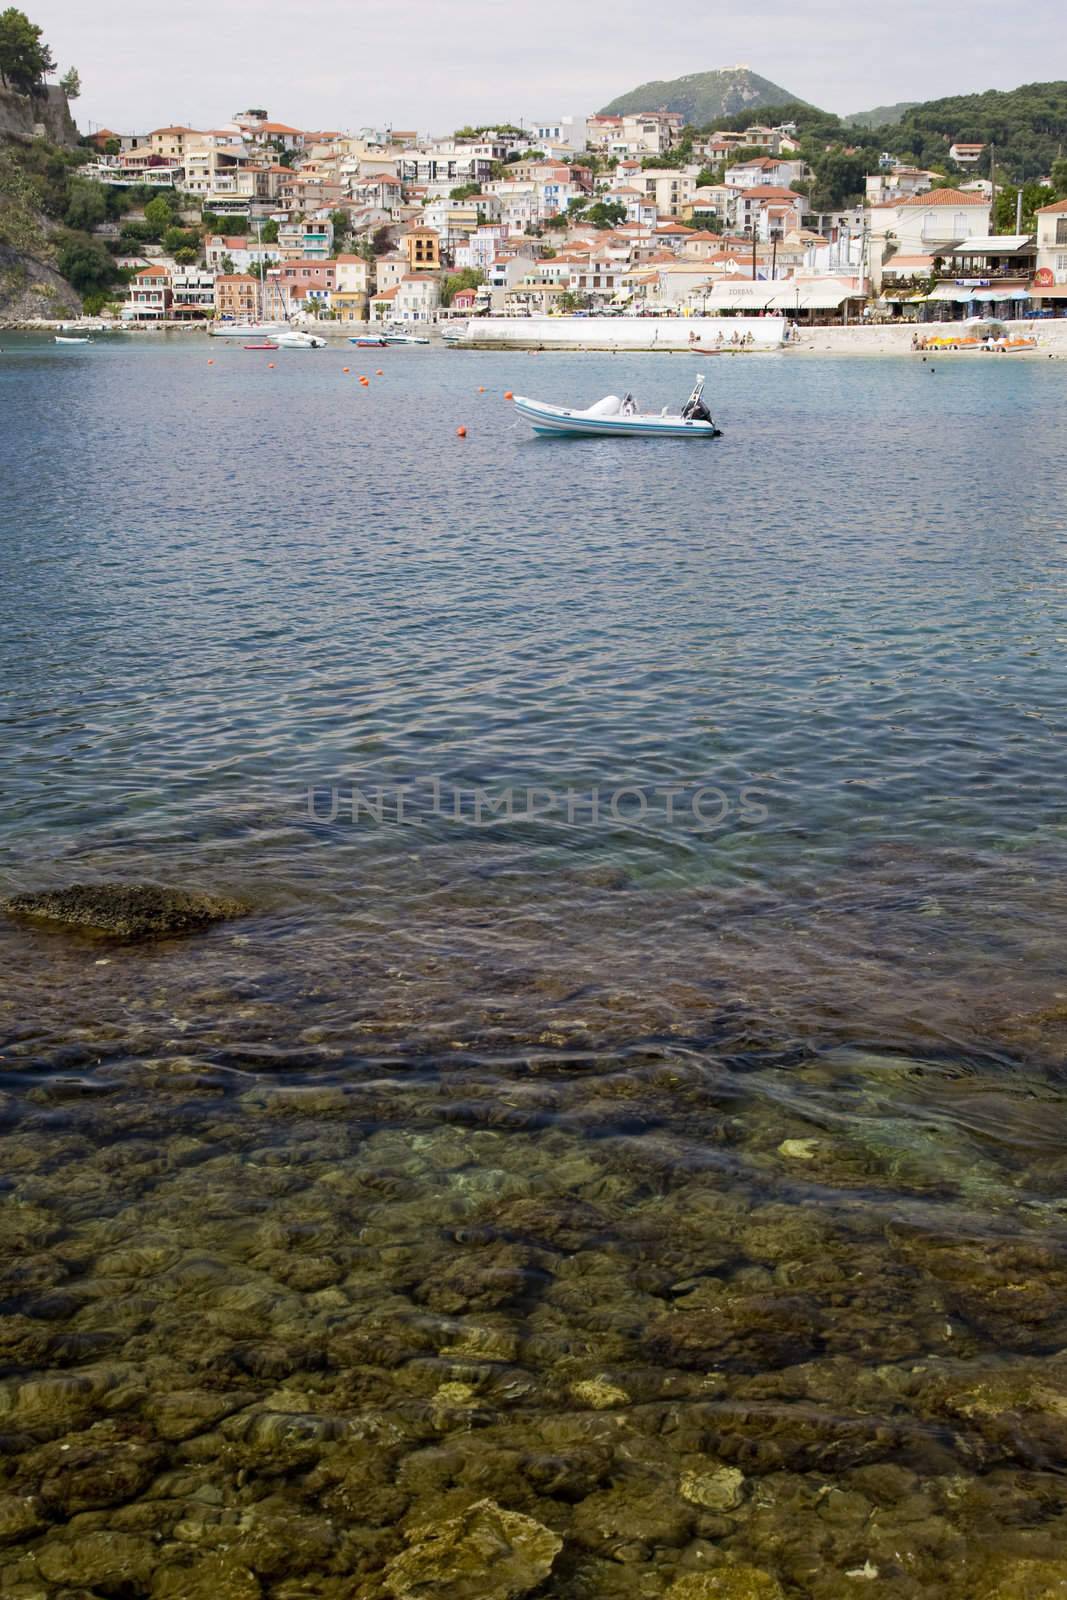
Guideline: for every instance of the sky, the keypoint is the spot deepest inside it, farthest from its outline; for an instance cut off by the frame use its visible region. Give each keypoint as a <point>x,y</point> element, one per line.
<point>430,66</point>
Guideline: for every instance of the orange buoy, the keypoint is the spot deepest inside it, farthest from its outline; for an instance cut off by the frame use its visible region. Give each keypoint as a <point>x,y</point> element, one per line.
<point>378,373</point>
<point>270,364</point>
<point>365,382</point>
<point>211,362</point>
<point>461,433</point>
<point>346,369</point>
<point>481,388</point>
<point>508,395</point>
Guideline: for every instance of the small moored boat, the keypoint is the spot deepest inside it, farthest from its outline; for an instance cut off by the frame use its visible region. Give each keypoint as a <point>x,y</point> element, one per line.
<point>295,340</point>
<point>612,416</point>
<point>61,338</point>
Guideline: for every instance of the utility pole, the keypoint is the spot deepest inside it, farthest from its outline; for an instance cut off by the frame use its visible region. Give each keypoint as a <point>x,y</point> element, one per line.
<point>1019,210</point>
<point>993,180</point>
<point>774,258</point>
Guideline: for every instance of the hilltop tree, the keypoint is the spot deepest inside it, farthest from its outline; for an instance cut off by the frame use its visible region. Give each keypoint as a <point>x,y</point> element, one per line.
<point>71,83</point>
<point>24,56</point>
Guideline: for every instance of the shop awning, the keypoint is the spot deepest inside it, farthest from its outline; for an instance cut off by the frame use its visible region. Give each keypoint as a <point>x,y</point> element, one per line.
<point>952,292</point>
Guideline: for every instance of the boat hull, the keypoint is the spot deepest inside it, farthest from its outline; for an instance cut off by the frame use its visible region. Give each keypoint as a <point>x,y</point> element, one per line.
<point>556,421</point>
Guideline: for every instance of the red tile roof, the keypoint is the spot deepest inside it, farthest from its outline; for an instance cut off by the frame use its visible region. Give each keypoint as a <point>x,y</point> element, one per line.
<point>1057,205</point>
<point>945,197</point>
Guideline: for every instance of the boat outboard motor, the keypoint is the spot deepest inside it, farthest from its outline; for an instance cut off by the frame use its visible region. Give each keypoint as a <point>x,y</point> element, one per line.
<point>694,409</point>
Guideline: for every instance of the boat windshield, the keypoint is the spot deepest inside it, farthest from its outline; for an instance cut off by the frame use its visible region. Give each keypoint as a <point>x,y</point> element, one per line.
<point>695,409</point>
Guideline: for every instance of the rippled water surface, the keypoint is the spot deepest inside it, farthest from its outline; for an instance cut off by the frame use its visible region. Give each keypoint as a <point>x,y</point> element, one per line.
<point>646,1112</point>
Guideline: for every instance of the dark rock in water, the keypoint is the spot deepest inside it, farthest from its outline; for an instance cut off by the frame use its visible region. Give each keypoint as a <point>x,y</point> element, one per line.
<point>749,1332</point>
<point>125,910</point>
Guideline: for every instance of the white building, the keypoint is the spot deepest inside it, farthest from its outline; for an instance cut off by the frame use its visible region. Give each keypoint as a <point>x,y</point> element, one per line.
<point>418,298</point>
<point>924,224</point>
<point>1052,242</point>
<point>569,131</point>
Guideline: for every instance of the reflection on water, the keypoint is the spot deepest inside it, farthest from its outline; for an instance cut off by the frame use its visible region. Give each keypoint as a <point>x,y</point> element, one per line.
<point>695,1192</point>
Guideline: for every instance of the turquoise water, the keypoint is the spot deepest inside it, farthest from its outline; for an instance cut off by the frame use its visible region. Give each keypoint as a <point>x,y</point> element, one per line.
<point>752,1112</point>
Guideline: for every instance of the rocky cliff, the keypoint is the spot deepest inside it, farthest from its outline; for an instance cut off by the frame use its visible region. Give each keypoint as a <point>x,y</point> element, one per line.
<point>37,117</point>
<point>30,286</point>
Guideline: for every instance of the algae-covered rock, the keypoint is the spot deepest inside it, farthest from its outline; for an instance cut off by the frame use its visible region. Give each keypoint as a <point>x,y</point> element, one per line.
<point>616,1519</point>
<point>726,1583</point>
<point>186,1412</point>
<point>1021,1578</point>
<point>121,1563</point>
<point>125,910</point>
<point>713,1486</point>
<point>21,1516</point>
<point>742,1330</point>
<point>487,1553</point>
<point>218,1576</point>
<point>598,1394</point>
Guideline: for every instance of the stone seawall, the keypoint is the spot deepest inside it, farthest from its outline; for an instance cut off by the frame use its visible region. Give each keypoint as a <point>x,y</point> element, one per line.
<point>620,333</point>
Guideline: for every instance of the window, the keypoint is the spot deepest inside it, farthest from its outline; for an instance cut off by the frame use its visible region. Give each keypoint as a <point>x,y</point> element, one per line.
<point>1061,230</point>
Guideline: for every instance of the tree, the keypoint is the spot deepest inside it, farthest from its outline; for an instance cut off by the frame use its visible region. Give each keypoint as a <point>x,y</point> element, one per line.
<point>158,215</point>
<point>227,266</point>
<point>605,214</point>
<point>112,147</point>
<point>186,256</point>
<point>464,191</point>
<point>85,263</point>
<point>469,278</point>
<point>1059,176</point>
<point>87,206</point>
<point>381,241</point>
<point>560,220</point>
<point>71,83</point>
<point>1034,195</point>
<point>269,232</point>
<point>24,56</point>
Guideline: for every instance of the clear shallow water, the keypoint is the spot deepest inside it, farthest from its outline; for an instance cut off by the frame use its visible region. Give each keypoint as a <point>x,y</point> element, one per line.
<point>757,1122</point>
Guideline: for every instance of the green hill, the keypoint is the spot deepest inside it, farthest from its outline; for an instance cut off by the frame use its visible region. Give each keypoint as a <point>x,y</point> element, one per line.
<point>881,116</point>
<point>1028,125</point>
<point>703,97</point>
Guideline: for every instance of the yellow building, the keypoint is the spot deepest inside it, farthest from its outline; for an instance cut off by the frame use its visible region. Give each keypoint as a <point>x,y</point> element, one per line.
<point>423,249</point>
<point>172,142</point>
<point>236,296</point>
<point>349,305</point>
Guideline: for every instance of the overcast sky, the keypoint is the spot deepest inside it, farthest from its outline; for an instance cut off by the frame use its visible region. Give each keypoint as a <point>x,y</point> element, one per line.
<point>428,65</point>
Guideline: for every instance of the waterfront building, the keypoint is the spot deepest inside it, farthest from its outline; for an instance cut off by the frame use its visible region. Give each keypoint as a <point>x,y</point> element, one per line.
<point>1051,260</point>
<point>237,296</point>
<point>150,295</point>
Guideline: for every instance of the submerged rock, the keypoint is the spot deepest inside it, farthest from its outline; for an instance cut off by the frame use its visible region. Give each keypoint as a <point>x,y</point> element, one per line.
<point>487,1553</point>
<point>715,1487</point>
<point>726,1583</point>
<point>125,910</point>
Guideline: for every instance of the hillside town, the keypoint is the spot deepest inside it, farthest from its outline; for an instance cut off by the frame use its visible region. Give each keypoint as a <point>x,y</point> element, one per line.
<point>629,214</point>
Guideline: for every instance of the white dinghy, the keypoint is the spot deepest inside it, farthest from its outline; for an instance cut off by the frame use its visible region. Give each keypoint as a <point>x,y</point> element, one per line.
<point>612,416</point>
